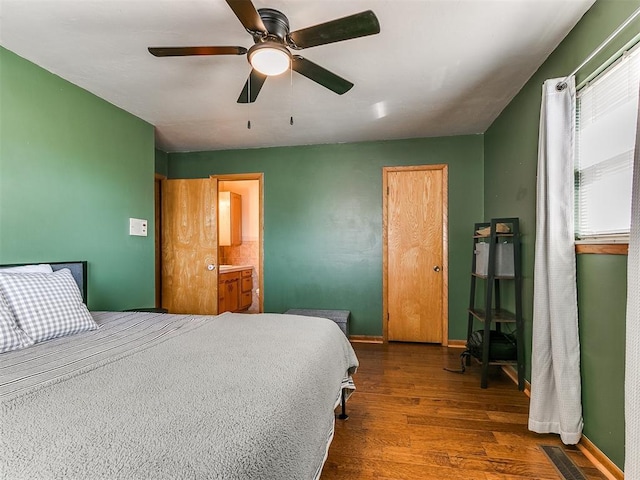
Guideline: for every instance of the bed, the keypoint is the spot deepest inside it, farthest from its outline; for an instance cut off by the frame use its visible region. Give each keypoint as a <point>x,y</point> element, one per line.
<point>163,396</point>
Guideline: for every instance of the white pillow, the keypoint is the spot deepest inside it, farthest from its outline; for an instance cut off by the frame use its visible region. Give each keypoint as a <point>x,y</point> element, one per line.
<point>11,337</point>
<point>46,305</point>
<point>43,268</point>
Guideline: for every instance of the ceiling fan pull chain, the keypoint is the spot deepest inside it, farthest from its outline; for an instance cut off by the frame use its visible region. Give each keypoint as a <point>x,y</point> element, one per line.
<point>248,103</point>
<point>291,98</point>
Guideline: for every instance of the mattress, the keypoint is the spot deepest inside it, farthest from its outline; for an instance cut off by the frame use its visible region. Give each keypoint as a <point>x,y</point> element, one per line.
<point>175,396</point>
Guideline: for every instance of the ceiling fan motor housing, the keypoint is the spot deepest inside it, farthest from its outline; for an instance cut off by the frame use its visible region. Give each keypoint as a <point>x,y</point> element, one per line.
<point>276,23</point>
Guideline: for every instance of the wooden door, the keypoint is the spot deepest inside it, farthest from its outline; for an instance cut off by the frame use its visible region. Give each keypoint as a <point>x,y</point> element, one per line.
<point>190,246</point>
<point>415,268</point>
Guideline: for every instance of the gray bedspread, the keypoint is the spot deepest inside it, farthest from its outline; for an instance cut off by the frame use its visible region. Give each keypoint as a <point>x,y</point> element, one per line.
<point>228,397</point>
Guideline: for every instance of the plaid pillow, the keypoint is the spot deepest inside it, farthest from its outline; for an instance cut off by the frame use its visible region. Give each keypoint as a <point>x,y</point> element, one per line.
<point>11,337</point>
<point>46,305</point>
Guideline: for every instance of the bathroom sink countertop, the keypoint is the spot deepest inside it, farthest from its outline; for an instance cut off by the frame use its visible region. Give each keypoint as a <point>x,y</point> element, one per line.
<point>234,268</point>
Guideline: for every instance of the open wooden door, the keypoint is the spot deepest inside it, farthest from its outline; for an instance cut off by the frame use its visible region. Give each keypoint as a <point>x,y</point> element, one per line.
<point>415,254</point>
<point>190,246</point>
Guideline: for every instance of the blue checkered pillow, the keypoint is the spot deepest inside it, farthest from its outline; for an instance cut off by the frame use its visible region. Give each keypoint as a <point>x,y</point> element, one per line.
<point>46,305</point>
<point>11,337</point>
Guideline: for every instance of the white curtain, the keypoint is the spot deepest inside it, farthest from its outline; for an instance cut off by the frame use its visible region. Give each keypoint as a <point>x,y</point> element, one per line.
<point>556,405</point>
<point>632,372</point>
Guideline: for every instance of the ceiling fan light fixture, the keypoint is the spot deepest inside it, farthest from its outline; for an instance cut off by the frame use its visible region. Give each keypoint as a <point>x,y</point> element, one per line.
<point>269,58</point>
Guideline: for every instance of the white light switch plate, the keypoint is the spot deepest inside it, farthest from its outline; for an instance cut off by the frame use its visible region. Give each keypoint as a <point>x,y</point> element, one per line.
<point>137,227</point>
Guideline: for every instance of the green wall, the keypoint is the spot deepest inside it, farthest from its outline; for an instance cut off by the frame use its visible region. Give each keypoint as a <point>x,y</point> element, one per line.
<point>511,146</point>
<point>602,308</point>
<point>73,169</point>
<point>323,219</point>
<point>161,162</point>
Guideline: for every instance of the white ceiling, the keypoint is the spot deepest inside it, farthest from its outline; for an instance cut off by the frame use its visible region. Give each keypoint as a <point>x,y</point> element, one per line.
<point>437,68</point>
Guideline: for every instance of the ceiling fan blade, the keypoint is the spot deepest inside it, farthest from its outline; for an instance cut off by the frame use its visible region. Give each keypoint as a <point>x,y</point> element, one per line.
<point>186,51</point>
<point>253,85</point>
<point>321,75</point>
<point>354,26</point>
<point>247,14</point>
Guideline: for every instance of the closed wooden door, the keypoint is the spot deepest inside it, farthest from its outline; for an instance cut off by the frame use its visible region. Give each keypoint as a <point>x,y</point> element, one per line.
<point>415,266</point>
<point>190,246</point>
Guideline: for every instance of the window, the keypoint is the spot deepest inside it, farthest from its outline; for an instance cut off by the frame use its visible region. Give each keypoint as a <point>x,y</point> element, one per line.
<point>606,116</point>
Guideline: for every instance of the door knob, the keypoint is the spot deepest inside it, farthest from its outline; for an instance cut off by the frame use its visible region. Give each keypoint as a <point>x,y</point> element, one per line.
<point>436,268</point>
<point>211,267</point>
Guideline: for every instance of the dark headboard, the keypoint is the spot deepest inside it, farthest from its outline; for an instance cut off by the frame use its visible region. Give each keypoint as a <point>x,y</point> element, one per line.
<point>78,270</point>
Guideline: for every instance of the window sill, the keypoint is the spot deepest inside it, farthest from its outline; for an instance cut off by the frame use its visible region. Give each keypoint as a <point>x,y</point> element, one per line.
<point>603,248</point>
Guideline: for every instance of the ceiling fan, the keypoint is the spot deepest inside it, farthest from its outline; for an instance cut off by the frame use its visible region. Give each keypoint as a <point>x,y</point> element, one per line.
<point>270,54</point>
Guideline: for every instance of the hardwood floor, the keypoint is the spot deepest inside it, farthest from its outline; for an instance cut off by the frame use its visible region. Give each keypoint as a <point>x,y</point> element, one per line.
<point>410,419</point>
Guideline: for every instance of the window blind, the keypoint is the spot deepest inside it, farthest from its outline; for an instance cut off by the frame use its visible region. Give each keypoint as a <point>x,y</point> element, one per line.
<point>606,116</point>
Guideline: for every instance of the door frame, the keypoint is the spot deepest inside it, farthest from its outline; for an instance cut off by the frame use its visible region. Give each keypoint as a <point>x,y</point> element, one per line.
<point>157,198</point>
<point>260,178</point>
<point>445,255</point>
